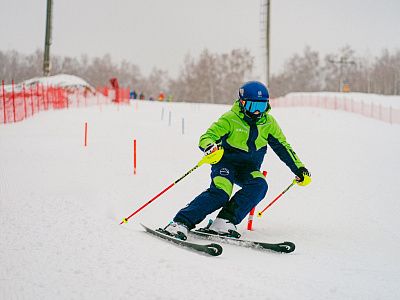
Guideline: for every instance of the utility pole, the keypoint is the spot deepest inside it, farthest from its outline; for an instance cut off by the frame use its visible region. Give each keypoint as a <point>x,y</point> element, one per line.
<point>343,61</point>
<point>265,21</point>
<point>47,42</point>
<point>267,41</point>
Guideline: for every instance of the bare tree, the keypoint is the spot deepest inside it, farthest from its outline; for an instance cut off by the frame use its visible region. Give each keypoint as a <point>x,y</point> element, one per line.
<point>213,77</point>
<point>302,73</point>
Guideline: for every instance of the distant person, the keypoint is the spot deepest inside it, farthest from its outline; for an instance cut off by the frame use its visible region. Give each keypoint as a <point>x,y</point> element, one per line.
<point>161,96</point>
<point>141,96</point>
<point>133,94</point>
<point>115,86</point>
<point>243,133</point>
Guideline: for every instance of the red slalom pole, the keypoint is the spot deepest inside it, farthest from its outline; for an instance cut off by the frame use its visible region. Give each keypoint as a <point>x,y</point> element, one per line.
<point>273,201</point>
<point>250,220</point>
<point>85,134</point>
<point>134,157</point>
<point>251,214</point>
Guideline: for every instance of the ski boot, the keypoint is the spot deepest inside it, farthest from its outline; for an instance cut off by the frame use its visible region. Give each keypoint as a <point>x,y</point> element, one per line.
<point>221,227</point>
<point>177,230</point>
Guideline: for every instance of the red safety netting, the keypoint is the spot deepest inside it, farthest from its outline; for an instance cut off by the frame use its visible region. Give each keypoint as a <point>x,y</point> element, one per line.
<point>17,104</point>
<point>369,109</point>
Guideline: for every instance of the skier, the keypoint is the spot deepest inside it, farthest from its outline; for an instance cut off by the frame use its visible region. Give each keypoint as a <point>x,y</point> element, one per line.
<point>243,133</point>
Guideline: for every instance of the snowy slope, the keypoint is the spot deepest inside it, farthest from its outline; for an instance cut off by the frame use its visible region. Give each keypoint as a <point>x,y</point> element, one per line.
<point>60,205</point>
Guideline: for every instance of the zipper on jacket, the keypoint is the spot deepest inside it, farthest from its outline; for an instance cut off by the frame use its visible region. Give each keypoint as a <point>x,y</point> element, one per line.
<point>251,142</point>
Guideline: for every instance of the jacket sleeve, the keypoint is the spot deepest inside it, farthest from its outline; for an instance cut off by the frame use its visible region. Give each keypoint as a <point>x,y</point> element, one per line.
<point>215,132</point>
<point>277,141</point>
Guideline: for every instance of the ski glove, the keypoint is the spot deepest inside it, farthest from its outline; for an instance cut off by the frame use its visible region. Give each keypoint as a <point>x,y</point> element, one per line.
<point>211,148</point>
<point>303,176</point>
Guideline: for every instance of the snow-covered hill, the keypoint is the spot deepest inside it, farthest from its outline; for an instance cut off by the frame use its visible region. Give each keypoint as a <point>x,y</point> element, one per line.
<point>59,80</point>
<point>60,205</point>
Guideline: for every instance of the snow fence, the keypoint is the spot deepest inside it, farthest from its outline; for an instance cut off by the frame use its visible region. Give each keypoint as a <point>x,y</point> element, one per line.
<point>370,106</point>
<point>18,103</point>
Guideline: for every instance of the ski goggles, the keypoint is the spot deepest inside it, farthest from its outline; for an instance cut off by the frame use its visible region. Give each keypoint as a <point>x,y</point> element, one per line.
<point>253,106</point>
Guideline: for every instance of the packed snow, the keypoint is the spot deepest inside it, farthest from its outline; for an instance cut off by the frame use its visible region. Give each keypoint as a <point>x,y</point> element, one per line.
<point>61,204</point>
<point>59,80</point>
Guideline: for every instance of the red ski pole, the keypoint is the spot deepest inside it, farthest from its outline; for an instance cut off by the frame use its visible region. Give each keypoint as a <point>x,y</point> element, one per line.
<point>273,201</point>
<point>211,159</point>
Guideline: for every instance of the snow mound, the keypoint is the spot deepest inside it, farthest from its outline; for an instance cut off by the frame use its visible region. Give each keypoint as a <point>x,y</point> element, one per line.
<point>59,80</point>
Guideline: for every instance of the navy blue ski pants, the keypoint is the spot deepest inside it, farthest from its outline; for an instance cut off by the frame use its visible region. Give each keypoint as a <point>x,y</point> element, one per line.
<point>223,175</point>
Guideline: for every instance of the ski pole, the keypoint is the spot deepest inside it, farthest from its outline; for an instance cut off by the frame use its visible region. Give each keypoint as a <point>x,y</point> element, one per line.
<point>273,201</point>
<point>210,159</point>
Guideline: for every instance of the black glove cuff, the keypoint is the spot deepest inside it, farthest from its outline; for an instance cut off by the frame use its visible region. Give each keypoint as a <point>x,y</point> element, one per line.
<point>302,171</point>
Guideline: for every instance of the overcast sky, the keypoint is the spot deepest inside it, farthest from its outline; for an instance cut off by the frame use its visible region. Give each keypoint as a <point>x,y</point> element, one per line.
<point>159,33</point>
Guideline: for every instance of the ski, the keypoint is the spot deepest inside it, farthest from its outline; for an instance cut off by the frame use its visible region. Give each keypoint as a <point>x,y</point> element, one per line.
<point>284,247</point>
<point>209,249</point>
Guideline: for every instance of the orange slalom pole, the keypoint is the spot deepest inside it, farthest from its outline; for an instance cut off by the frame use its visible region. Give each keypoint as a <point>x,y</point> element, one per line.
<point>251,214</point>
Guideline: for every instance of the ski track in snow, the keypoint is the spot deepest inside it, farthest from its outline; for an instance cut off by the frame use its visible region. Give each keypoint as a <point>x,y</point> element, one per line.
<point>60,205</point>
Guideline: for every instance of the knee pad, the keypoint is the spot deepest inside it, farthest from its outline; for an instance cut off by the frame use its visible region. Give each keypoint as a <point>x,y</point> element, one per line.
<point>223,184</point>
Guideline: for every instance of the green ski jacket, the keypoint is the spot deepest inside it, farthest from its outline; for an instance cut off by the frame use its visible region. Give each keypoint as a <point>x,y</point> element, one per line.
<point>245,143</point>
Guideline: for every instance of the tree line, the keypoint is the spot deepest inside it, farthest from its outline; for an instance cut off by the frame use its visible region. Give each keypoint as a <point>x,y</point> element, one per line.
<point>307,72</point>
<point>215,78</point>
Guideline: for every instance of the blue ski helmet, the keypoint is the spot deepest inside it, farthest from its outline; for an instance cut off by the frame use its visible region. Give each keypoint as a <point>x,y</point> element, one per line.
<point>254,99</point>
